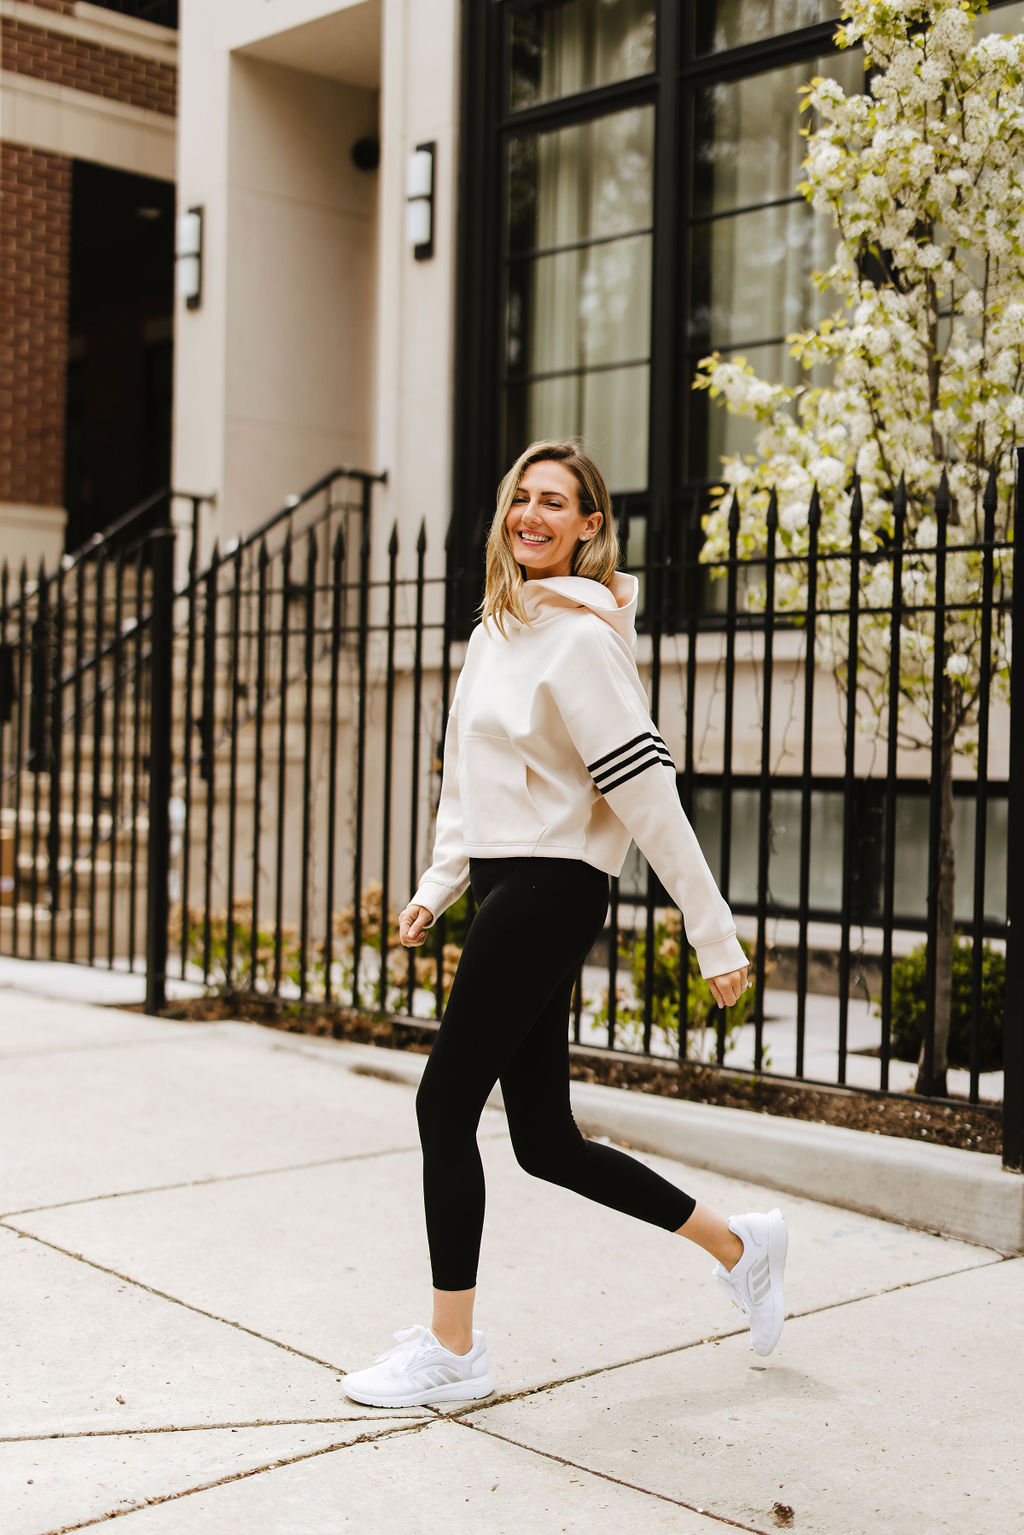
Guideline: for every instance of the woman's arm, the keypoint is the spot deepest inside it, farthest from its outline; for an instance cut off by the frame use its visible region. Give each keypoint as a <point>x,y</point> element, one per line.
<point>448,874</point>
<point>600,698</point>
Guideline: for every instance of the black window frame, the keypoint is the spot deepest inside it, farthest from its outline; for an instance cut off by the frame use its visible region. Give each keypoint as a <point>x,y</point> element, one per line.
<point>670,504</point>
<point>674,500</point>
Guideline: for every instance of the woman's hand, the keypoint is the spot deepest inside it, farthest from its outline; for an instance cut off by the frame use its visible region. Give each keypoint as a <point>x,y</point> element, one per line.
<point>727,989</point>
<point>412,925</point>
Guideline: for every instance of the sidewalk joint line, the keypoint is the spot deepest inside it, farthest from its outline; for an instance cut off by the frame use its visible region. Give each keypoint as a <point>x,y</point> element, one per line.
<point>618,1481</point>
<point>195,1428</point>
<point>712,1338</point>
<point>238,1476</point>
<point>198,1183</point>
<point>175,1300</point>
<point>103,1044</point>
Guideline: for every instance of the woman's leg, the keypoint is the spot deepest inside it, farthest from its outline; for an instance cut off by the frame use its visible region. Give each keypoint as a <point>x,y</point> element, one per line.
<point>527,938</point>
<point>548,1143</point>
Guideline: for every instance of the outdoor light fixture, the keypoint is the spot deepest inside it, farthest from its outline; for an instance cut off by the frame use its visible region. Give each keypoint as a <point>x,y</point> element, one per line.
<point>189,257</point>
<point>419,201</point>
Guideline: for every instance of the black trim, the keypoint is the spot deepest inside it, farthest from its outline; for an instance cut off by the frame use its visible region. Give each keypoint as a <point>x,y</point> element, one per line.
<point>614,761</point>
<point>656,761</point>
<point>671,502</point>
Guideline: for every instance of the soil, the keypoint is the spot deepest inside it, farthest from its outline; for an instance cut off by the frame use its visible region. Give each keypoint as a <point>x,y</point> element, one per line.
<point>973,1127</point>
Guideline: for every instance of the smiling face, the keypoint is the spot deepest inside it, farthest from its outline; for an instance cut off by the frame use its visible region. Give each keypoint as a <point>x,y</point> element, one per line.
<point>545,521</point>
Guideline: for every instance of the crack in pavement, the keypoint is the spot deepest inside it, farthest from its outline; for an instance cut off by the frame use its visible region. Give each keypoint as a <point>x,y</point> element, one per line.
<point>175,1300</point>
<point>713,1338</point>
<point>238,1476</point>
<point>258,1172</point>
<point>619,1481</point>
<point>198,1183</point>
<point>198,1428</point>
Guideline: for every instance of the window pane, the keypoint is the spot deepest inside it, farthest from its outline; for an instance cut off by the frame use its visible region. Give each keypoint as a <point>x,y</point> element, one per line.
<point>557,50</point>
<point>608,409</point>
<point>1001,19</point>
<point>751,270</point>
<point>749,149</point>
<point>730,23</point>
<point>580,308</point>
<point>581,183</point>
<point>752,275</point>
<point>579,289</point>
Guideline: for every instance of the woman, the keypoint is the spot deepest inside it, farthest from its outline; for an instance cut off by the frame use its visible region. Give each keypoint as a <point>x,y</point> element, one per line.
<point>552,763</point>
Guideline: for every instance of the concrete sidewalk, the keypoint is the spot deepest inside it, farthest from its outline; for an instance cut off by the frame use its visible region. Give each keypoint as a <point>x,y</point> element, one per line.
<point>203,1226</point>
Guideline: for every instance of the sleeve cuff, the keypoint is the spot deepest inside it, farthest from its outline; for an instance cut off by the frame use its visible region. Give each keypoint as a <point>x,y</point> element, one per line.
<point>718,958</point>
<point>436,897</point>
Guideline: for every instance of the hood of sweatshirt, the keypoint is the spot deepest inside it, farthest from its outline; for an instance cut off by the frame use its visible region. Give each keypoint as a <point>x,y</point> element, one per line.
<point>615,604</point>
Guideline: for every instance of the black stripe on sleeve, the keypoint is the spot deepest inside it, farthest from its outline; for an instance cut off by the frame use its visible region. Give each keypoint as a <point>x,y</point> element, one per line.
<point>593,766</point>
<point>648,755</point>
<point>612,761</point>
<point>649,762</point>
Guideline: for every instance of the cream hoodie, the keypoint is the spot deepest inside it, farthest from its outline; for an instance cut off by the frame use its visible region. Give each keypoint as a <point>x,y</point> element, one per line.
<point>551,752</point>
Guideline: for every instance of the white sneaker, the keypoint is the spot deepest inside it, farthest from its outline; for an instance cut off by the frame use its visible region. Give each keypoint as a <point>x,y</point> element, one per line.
<point>419,1371</point>
<point>754,1285</point>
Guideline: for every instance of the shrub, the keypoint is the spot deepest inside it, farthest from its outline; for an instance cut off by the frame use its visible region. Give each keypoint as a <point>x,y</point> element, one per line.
<point>908,1006</point>
<point>701,1009</point>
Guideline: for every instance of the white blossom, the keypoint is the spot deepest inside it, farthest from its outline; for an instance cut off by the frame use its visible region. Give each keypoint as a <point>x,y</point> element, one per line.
<point>925,365</point>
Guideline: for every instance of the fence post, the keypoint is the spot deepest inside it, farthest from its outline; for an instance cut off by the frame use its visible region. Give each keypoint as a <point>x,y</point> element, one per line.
<point>1013,1010</point>
<point>160,747</point>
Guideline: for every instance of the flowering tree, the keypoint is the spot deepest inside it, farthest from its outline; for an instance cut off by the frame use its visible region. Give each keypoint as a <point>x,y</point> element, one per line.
<point>923,176</point>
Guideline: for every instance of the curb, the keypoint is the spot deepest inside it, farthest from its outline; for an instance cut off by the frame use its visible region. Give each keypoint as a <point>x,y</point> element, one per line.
<point>963,1194</point>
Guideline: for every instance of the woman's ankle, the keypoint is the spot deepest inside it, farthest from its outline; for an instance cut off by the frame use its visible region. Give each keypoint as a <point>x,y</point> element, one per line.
<point>455,1343</point>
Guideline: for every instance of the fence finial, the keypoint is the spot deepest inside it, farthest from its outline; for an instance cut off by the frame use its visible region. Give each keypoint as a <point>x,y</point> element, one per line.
<point>942,502</point>
<point>393,540</point>
<point>421,540</point>
<point>814,508</point>
<point>772,518</point>
<point>899,510</point>
<point>856,505</point>
<point>339,546</point>
<point>990,503</point>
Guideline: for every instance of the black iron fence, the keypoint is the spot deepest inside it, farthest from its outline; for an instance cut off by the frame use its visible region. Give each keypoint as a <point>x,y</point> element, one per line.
<point>237,777</point>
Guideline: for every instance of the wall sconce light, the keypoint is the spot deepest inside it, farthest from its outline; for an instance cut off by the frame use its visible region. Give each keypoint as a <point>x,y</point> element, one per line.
<point>189,257</point>
<point>419,201</point>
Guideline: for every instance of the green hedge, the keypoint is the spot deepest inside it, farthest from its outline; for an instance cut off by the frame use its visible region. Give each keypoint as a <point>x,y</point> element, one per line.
<point>908,1006</point>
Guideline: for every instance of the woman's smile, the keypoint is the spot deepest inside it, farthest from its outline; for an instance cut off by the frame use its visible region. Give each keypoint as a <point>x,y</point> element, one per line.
<point>545,523</point>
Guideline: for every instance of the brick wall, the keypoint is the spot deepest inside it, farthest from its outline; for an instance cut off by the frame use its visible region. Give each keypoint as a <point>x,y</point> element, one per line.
<point>126,77</point>
<point>35,234</point>
<point>35,193</point>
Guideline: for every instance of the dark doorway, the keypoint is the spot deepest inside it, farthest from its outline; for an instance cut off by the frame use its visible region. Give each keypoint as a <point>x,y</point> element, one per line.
<point>120,348</point>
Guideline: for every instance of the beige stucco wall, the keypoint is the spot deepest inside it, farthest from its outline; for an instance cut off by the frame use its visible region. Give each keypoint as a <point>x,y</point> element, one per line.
<point>274,372</point>
<point>415,351</point>
<point>320,339</point>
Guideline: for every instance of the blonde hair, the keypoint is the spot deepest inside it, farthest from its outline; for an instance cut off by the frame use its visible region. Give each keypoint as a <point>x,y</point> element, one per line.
<point>596,558</point>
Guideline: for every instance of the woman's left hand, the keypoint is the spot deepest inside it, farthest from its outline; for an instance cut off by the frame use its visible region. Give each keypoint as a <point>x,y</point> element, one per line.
<point>727,989</point>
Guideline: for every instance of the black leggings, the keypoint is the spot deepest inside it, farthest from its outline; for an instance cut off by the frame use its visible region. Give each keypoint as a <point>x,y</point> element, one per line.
<point>506,1020</point>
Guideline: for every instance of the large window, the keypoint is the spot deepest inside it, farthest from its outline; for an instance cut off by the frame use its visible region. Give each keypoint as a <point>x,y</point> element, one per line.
<point>754,241</point>
<point>578,288</point>
<point>628,203</point>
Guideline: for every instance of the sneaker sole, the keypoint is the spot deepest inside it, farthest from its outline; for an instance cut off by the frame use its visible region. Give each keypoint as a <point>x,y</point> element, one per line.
<point>778,1246</point>
<point>457,1391</point>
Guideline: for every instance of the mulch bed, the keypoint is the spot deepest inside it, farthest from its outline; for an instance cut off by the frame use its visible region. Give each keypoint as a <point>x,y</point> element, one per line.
<point>973,1127</point>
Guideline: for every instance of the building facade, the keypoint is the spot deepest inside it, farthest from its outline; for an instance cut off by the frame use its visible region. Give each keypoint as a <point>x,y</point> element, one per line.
<point>87,167</point>
<point>611,195</point>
